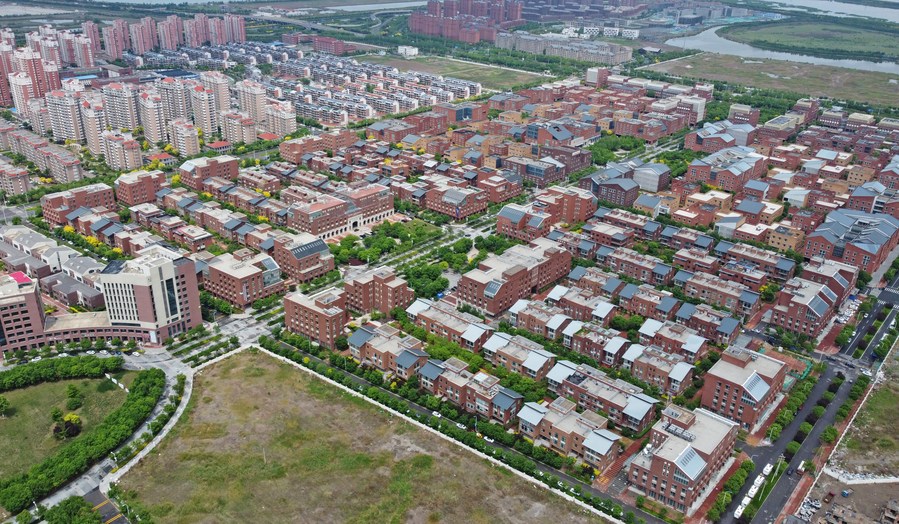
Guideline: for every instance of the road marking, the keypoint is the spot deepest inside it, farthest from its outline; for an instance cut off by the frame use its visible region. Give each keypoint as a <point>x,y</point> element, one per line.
<point>113,519</point>
<point>100,505</point>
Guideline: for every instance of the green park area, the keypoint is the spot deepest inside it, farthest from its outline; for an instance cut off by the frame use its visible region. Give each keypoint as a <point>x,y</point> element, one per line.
<point>262,441</point>
<point>26,431</point>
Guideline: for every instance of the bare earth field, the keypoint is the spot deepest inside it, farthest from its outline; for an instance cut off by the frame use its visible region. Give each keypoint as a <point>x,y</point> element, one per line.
<point>490,77</point>
<point>871,444</point>
<point>834,82</point>
<point>262,441</point>
<point>867,499</point>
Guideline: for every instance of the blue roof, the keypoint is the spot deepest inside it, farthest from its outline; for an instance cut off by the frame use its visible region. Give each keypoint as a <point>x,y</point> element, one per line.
<point>686,311</point>
<point>577,273</point>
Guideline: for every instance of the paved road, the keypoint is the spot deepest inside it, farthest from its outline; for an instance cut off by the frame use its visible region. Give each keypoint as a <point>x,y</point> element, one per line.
<point>763,455</point>
<point>785,487</point>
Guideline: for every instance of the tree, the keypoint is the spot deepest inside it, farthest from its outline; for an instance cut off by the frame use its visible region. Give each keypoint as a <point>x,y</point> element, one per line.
<point>234,341</point>
<point>4,406</point>
<point>341,343</point>
<point>73,510</point>
<point>829,435</point>
<point>864,278</point>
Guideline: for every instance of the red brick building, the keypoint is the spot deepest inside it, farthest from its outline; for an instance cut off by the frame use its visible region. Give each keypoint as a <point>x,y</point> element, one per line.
<point>195,171</point>
<point>138,187</point>
<point>243,277</point>
<point>686,452</point>
<point>501,280</point>
<point>56,206</point>
<point>378,290</point>
<point>320,317</point>
<point>742,385</point>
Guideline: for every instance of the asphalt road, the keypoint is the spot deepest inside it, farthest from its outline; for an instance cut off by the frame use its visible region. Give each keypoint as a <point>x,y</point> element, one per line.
<point>786,485</point>
<point>763,455</point>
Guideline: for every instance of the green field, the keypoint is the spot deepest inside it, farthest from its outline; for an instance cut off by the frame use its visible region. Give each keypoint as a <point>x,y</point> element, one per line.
<point>26,434</point>
<point>812,80</point>
<point>262,441</point>
<point>816,39</point>
<point>491,77</point>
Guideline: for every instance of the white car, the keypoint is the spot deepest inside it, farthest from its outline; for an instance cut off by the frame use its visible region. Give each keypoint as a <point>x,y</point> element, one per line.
<point>488,439</point>
<point>460,425</point>
<point>92,352</point>
<point>436,414</point>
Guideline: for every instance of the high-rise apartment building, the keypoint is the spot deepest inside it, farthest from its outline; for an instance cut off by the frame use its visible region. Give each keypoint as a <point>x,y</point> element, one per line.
<point>84,51</point>
<point>7,67</point>
<point>152,116</point>
<point>113,42</point>
<point>7,37</point>
<point>175,96</point>
<point>202,104</point>
<point>238,127</point>
<point>121,152</point>
<point>120,101</point>
<point>65,115</point>
<point>217,31</point>
<point>280,119</point>
<point>220,85</point>
<point>235,28</point>
<point>93,120</point>
<point>22,90</point>
<point>183,137</point>
<point>92,32</point>
<point>251,99</point>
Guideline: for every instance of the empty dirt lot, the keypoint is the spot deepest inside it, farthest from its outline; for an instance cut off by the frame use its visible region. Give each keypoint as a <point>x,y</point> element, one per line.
<point>262,441</point>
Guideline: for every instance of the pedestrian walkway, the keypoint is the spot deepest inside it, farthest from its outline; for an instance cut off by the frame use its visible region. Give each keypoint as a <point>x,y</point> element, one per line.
<point>612,471</point>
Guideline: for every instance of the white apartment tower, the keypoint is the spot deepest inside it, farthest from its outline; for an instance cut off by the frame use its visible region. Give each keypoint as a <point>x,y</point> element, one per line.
<point>152,116</point>
<point>251,99</point>
<point>120,101</point>
<point>65,115</point>
<point>202,103</point>
<point>220,86</point>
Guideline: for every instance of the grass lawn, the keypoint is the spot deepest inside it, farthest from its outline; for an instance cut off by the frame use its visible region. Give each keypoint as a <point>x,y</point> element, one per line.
<point>490,77</point>
<point>871,444</point>
<point>834,82</point>
<point>262,441</point>
<point>27,432</point>
<point>814,37</point>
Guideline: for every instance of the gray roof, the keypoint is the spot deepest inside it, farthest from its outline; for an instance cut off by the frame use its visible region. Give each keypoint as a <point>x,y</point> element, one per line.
<point>628,291</point>
<point>690,463</point>
<point>686,311</point>
<point>506,399</point>
<point>750,206</point>
<point>756,387</point>
<point>667,304</point>
<point>611,285</point>
<point>307,250</point>
<point>409,357</point>
<point>360,337</point>
<point>728,325</point>
<point>432,369</point>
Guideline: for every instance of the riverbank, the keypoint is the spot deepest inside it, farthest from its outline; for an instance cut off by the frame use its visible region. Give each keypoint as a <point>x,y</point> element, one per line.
<point>839,83</point>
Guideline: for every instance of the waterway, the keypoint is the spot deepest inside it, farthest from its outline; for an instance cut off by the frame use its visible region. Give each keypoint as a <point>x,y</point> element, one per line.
<point>711,42</point>
<point>841,9</point>
<point>380,7</point>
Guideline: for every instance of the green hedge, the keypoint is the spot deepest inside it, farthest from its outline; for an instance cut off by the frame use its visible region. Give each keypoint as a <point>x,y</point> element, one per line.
<point>17,492</point>
<point>60,368</point>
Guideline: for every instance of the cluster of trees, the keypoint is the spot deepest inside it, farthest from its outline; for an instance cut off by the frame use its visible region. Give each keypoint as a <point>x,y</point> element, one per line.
<point>604,150</point>
<point>85,243</point>
<point>455,255</point>
<point>386,238</point>
<point>209,302</point>
<point>677,161</point>
<point>731,488</point>
<point>426,280</point>
<point>73,510</point>
<point>268,302</point>
<point>17,491</point>
<point>62,368</point>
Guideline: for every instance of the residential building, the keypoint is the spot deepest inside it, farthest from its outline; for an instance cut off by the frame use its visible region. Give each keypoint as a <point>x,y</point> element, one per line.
<point>378,290</point>
<point>518,355</point>
<point>243,277</point>
<point>138,187</point>
<point>500,280</point>
<point>320,317</point>
<point>561,428</point>
<point>302,257</point>
<point>743,386</point>
<point>120,104</point>
<point>184,137</point>
<point>55,206</point>
<point>686,451</point>
<point>476,393</point>
<point>804,307</point>
<point>443,320</point>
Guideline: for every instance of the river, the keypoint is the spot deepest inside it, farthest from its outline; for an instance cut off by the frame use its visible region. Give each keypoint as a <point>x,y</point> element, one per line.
<point>711,42</point>
<point>841,9</point>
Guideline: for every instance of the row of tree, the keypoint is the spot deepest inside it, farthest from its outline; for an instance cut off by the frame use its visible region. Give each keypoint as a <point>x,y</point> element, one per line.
<point>18,491</point>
